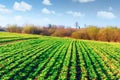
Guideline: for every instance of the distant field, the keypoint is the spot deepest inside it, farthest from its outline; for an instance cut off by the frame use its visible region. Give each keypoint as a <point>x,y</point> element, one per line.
<point>32,57</point>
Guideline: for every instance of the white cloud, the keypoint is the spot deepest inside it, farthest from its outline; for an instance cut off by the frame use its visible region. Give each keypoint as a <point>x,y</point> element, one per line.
<point>5,20</point>
<point>46,19</point>
<point>3,9</point>
<point>22,6</point>
<point>2,18</point>
<point>47,2</point>
<point>22,20</point>
<point>18,18</point>
<point>84,1</point>
<point>78,14</point>
<point>106,14</point>
<point>47,11</point>
<point>110,8</point>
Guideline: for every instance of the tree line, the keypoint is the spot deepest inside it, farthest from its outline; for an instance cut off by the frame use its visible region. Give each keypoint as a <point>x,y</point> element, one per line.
<point>109,33</point>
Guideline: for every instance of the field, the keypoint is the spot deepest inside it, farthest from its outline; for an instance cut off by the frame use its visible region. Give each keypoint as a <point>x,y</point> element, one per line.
<point>32,57</point>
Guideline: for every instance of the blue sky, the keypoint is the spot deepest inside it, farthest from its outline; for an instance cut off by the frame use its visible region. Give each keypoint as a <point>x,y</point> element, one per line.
<point>60,12</point>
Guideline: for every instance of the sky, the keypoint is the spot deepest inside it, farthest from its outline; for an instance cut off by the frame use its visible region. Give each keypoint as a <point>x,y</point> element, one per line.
<point>60,12</point>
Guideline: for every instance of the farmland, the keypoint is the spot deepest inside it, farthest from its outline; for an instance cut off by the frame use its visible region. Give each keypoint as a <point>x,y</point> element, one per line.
<point>32,57</point>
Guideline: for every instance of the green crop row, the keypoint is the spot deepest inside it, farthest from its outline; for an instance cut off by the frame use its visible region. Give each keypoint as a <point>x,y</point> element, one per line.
<point>48,58</point>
